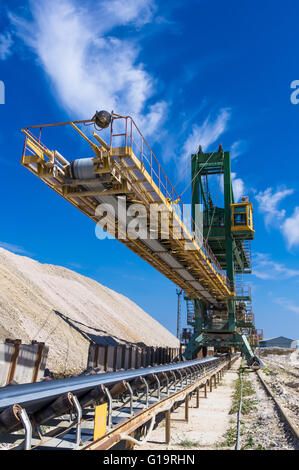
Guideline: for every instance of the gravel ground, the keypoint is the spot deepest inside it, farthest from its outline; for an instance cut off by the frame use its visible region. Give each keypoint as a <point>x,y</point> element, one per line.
<point>262,428</point>
<point>282,375</point>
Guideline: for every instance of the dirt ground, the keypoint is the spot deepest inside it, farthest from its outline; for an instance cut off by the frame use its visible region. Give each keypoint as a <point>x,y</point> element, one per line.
<point>207,424</point>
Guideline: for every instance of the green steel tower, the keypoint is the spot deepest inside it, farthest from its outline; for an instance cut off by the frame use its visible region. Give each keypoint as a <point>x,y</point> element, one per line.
<point>227,230</point>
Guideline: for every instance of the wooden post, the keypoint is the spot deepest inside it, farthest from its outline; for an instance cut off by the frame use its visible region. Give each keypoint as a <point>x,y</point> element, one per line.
<point>197,397</point>
<point>130,357</point>
<point>146,356</point>
<point>14,358</point>
<point>142,357</point>
<point>206,392</point>
<point>211,385</point>
<point>167,426</point>
<point>123,357</point>
<point>215,380</point>
<point>115,359</point>
<point>37,360</point>
<point>187,408</point>
<point>106,358</point>
<point>96,355</point>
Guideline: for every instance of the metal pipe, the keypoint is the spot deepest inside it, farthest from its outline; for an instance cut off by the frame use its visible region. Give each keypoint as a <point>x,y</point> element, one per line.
<point>159,386</point>
<point>167,383</point>
<point>109,424</point>
<point>27,427</point>
<point>147,391</point>
<point>79,418</point>
<point>131,398</point>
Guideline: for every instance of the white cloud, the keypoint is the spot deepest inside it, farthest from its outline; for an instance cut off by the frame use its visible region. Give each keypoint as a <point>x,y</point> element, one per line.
<point>290,228</point>
<point>6,43</point>
<point>238,187</point>
<point>265,268</point>
<point>268,201</point>
<point>138,11</point>
<point>89,66</point>
<point>207,133</point>
<point>237,149</point>
<point>287,304</point>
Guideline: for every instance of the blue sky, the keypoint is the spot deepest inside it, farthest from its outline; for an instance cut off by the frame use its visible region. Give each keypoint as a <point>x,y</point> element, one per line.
<point>189,72</point>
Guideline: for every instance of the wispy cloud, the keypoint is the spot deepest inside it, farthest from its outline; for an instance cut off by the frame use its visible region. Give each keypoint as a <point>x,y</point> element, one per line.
<point>207,133</point>
<point>265,268</point>
<point>286,303</point>
<point>237,149</point>
<point>15,249</point>
<point>268,202</point>
<point>6,43</point>
<point>89,66</point>
<point>238,187</point>
<point>290,228</point>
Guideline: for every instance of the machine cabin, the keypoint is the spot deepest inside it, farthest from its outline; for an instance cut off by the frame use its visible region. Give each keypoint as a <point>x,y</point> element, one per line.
<point>242,221</point>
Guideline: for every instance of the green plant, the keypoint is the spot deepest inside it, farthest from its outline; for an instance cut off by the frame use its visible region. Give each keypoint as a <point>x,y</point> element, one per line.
<point>249,444</point>
<point>188,443</point>
<point>268,372</point>
<point>247,405</point>
<point>229,438</point>
<point>260,447</point>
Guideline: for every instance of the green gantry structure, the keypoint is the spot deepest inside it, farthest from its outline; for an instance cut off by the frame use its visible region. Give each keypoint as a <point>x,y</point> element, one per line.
<point>228,231</point>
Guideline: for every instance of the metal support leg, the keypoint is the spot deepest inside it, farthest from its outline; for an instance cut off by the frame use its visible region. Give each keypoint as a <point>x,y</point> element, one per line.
<point>109,424</point>
<point>197,397</point>
<point>167,382</point>
<point>131,398</point>
<point>159,387</point>
<point>186,377</point>
<point>181,378</point>
<point>175,379</point>
<point>79,418</point>
<point>147,391</point>
<point>27,427</point>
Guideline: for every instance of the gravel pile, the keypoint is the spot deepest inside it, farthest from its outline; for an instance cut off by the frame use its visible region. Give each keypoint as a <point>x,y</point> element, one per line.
<point>65,310</point>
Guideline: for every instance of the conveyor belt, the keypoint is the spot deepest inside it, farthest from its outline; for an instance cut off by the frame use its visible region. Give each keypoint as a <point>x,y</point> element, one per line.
<point>116,172</point>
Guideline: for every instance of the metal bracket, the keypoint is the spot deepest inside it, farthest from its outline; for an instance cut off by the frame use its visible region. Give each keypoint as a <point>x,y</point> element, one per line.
<point>27,427</point>
<point>108,394</point>
<point>78,410</point>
